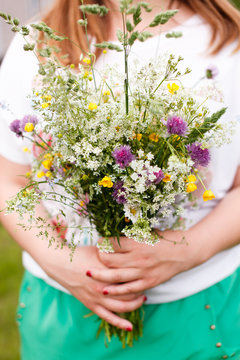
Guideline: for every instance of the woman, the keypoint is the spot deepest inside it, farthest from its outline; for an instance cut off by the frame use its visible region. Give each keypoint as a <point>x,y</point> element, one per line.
<point>193,293</point>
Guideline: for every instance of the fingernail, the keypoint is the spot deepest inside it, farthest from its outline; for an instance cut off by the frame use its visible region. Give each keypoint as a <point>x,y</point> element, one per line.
<point>105,292</point>
<point>88,273</point>
<point>129,329</point>
<point>145,298</point>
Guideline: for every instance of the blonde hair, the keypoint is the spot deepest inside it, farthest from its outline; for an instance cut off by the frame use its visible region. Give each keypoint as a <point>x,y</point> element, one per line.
<point>222,17</point>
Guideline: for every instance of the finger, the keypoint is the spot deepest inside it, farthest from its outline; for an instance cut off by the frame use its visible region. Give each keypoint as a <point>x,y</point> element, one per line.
<point>124,306</point>
<point>127,288</point>
<point>114,276</point>
<point>112,319</point>
<point>127,297</point>
<point>112,260</point>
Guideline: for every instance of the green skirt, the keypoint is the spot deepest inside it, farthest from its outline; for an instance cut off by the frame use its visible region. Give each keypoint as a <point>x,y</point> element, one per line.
<point>204,326</point>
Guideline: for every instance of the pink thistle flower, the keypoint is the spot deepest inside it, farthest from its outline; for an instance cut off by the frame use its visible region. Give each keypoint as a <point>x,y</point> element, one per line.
<point>123,156</point>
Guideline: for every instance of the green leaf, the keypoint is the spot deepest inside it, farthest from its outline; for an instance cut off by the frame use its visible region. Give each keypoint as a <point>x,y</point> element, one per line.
<point>129,26</point>
<point>163,17</point>
<point>145,6</point>
<point>46,52</point>
<point>124,5</point>
<point>137,15</point>
<point>119,34</point>
<point>94,9</point>
<point>28,47</point>
<point>133,37</point>
<point>207,125</point>
<point>174,34</point>
<point>15,28</point>
<point>3,15</point>
<point>16,21</point>
<point>108,45</point>
<point>25,31</point>
<point>131,10</point>
<point>144,36</point>
<point>38,27</point>
<point>58,38</point>
<point>82,22</point>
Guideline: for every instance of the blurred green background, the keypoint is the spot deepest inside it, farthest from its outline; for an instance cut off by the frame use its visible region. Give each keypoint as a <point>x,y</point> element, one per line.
<point>10,278</point>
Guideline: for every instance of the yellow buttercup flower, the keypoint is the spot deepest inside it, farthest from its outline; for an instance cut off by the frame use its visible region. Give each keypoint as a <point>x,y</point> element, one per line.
<point>153,137</point>
<point>166,178</point>
<point>47,164</point>
<point>172,88</point>
<point>47,97</point>
<point>137,136</point>
<point>26,150</point>
<point>106,182</point>
<point>191,187</point>
<point>87,61</point>
<point>92,106</point>
<point>48,156</point>
<point>45,105</point>
<point>106,93</point>
<point>28,174</point>
<point>85,75</point>
<point>208,195</point>
<point>104,51</point>
<point>48,174</point>
<point>191,179</point>
<point>40,174</point>
<point>29,127</point>
<point>82,203</point>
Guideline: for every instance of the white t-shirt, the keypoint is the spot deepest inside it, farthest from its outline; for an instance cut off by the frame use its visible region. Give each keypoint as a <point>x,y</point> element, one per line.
<point>16,77</point>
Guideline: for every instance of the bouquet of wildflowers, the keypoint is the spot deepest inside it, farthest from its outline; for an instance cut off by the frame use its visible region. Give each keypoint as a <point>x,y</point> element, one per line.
<point>119,154</point>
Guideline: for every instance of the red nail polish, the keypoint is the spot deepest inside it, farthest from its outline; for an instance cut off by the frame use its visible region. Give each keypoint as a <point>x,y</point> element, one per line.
<point>129,329</point>
<point>145,298</point>
<point>105,292</point>
<point>88,273</point>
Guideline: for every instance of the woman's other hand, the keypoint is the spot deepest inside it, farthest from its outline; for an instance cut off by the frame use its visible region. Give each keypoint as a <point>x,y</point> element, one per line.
<point>137,267</point>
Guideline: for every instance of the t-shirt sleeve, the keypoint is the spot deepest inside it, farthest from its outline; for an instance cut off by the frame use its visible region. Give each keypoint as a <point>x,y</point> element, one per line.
<point>16,77</point>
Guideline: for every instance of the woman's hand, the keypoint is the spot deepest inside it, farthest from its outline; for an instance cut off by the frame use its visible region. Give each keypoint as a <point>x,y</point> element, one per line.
<point>137,267</point>
<point>72,275</point>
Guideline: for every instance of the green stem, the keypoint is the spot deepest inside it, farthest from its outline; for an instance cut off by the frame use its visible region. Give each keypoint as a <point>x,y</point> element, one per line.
<point>165,78</point>
<point>126,81</point>
<point>88,45</point>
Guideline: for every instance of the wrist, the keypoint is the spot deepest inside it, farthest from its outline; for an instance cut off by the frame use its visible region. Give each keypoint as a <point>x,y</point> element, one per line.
<point>201,244</point>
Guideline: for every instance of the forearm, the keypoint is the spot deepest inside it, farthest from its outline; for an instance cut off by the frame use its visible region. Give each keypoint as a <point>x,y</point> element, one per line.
<point>220,230</point>
<point>37,247</point>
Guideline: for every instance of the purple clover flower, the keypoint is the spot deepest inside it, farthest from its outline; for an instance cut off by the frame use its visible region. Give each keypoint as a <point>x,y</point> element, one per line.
<point>201,157</point>
<point>123,156</point>
<point>159,176</point>
<point>119,192</point>
<point>15,126</point>
<point>211,72</point>
<point>176,125</point>
<point>28,119</point>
